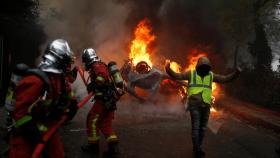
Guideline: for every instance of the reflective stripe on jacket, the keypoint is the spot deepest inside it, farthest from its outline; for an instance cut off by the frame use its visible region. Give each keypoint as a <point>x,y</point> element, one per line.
<point>201,85</point>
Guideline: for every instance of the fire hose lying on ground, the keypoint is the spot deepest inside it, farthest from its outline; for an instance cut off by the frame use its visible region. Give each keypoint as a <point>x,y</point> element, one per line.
<point>39,148</point>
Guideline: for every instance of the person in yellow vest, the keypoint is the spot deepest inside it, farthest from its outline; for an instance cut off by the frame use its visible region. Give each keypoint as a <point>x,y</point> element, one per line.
<point>200,96</point>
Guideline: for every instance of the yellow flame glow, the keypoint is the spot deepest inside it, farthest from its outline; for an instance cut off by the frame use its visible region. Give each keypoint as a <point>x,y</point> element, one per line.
<point>139,49</point>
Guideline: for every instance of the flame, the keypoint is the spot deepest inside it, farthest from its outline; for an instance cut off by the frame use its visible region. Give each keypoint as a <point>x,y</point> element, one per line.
<point>175,67</point>
<point>140,51</point>
<point>212,109</point>
<point>194,58</point>
<point>139,48</point>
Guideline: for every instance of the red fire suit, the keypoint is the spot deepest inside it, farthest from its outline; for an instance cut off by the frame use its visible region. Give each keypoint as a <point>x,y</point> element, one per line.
<point>99,119</point>
<point>27,92</point>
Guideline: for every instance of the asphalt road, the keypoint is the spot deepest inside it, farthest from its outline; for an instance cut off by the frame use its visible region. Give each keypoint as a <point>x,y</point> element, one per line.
<point>151,131</point>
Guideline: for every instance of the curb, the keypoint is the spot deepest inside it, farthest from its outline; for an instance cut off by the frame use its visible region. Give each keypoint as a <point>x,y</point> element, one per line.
<point>256,121</point>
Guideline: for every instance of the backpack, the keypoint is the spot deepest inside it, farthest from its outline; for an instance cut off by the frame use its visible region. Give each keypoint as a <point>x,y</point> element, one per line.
<point>21,71</point>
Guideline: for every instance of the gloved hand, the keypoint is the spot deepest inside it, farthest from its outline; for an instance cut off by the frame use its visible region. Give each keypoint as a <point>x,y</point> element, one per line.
<point>74,72</point>
<point>238,69</point>
<point>167,65</point>
<point>31,132</point>
<point>71,75</point>
<point>72,109</point>
<point>120,91</point>
<point>90,87</point>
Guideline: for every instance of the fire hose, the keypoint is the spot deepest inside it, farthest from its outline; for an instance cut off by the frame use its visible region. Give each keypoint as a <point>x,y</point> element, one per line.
<point>53,129</point>
<point>81,72</point>
<point>39,148</point>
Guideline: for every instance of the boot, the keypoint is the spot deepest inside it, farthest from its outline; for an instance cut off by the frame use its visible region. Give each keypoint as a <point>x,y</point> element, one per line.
<point>202,153</point>
<point>198,153</point>
<point>91,148</point>
<point>113,149</point>
<point>278,151</point>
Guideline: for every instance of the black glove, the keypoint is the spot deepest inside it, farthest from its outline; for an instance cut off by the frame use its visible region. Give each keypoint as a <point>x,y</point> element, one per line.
<point>90,87</point>
<point>167,65</point>
<point>72,109</point>
<point>31,132</point>
<point>57,109</point>
<point>110,105</point>
<point>74,72</point>
<point>238,69</point>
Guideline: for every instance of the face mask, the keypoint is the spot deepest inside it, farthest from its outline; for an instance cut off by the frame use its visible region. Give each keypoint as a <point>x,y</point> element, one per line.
<point>203,70</point>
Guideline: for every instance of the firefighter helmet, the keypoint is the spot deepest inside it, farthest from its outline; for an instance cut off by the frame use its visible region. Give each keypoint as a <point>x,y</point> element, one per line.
<point>89,56</point>
<point>57,57</point>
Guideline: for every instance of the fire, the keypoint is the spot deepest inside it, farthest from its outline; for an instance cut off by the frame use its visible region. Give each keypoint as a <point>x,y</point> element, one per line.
<point>139,48</point>
<point>140,51</point>
<point>195,56</point>
<point>175,67</point>
<point>213,110</point>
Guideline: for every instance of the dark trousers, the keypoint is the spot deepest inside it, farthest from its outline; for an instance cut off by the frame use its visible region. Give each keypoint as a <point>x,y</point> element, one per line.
<point>199,117</point>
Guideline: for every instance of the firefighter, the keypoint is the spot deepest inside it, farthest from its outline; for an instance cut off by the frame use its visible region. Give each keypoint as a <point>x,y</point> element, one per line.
<point>200,96</point>
<point>41,99</point>
<point>107,85</point>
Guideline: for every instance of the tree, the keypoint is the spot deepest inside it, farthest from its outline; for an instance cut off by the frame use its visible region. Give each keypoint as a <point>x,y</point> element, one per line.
<point>21,35</point>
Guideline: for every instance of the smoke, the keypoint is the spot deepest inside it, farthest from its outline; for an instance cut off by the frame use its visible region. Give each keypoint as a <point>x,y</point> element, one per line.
<point>179,26</point>
<point>89,23</point>
<point>215,27</point>
<point>275,64</point>
<point>107,26</point>
<point>272,28</point>
<point>132,110</point>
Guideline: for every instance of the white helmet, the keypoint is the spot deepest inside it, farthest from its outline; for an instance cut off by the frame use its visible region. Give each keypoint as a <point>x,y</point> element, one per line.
<point>57,57</point>
<point>89,56</point>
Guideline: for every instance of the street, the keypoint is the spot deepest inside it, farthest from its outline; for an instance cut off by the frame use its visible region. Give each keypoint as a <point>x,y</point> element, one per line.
<point>150,58</point>
<point>148,131</point>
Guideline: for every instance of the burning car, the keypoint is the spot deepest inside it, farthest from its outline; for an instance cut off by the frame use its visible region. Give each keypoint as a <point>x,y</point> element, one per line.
<point>144,77</point>
<point>138,71</point>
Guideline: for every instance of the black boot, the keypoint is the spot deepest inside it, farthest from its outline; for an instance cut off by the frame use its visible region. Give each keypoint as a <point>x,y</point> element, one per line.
<point>198,153</point>
<point>202,153</point>
<point>278,151</point>
<point>113,150</point>
<point>91,148</point>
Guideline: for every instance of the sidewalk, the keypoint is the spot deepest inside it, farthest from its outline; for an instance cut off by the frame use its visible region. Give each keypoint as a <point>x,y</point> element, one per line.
<point>251,113</point>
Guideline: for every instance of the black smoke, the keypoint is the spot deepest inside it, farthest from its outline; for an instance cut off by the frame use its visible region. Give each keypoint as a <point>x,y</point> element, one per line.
<point>216,27</point>
<point>179,26</point>
<point>21,36</point>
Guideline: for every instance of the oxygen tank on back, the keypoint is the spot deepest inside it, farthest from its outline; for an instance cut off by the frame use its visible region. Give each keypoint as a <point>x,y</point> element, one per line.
<point>17,74</point>
<point>115,74</point>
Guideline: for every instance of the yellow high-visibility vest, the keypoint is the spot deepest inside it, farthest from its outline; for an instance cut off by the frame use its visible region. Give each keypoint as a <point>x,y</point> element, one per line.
<point>201,85</point>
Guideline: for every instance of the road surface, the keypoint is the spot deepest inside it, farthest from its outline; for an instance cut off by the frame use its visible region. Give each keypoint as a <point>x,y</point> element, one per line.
<point>151,131</point>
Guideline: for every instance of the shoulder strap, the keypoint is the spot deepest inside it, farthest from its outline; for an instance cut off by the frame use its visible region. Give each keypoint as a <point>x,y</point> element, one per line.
<point>41,74</point>
<point>191,80</point>
<point>211,78</point>
<point>21,69</point>
<point>193,77</point>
